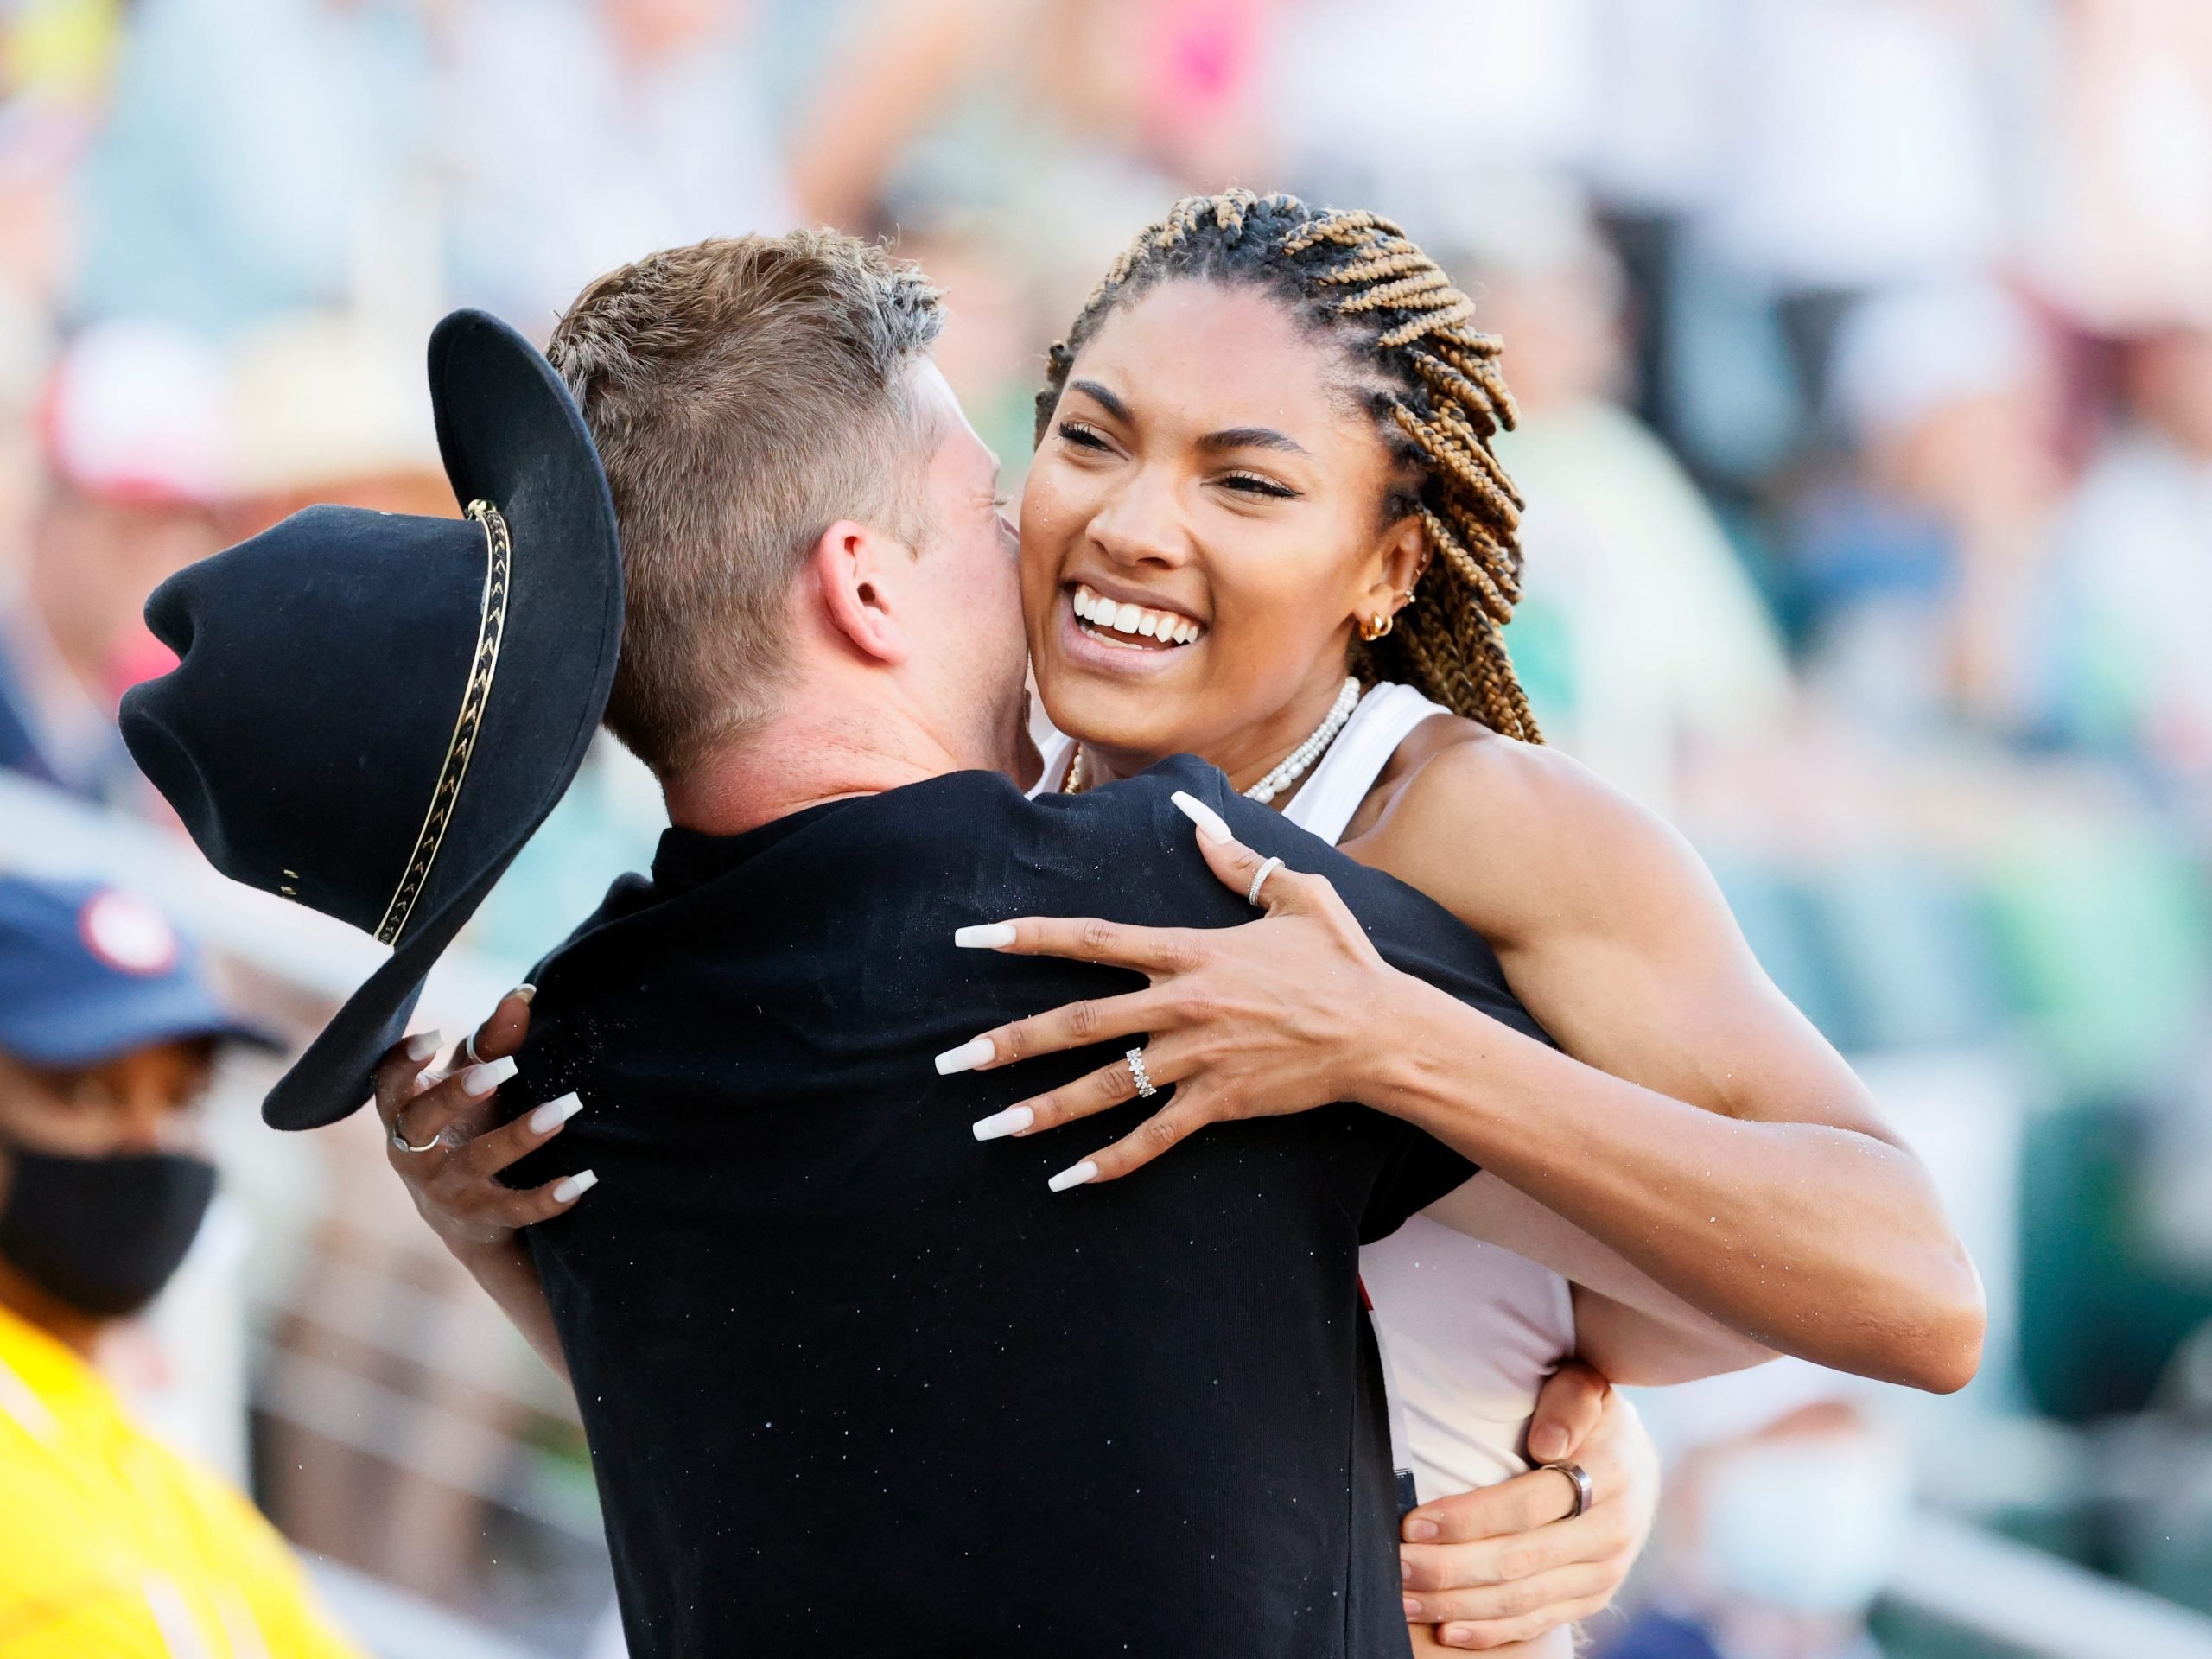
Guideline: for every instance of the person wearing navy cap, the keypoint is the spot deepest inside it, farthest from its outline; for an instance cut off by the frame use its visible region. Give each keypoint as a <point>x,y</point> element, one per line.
<point>109,1542</point>
<point>108,1029</point>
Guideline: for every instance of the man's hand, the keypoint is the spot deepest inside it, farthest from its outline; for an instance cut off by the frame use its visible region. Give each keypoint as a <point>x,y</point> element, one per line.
<point>1503,1564</point>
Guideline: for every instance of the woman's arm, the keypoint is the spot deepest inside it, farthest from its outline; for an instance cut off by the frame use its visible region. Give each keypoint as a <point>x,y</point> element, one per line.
<point>1696,1123</point>
<point>1628,1325</point>
<point>1692,1117</point>
<point>454,1179</point>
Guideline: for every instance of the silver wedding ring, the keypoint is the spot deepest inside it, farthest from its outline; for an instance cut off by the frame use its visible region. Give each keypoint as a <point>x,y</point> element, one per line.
<point>1586,1491</point>
<point>402,1142</point>
<point>1259,880</point>
<point>1135,1058</point>
<point>468,1048</point>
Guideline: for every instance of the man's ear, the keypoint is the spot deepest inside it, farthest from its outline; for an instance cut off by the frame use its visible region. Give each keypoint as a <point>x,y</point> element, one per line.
<point>853,566</point>
<point>1392,569</point>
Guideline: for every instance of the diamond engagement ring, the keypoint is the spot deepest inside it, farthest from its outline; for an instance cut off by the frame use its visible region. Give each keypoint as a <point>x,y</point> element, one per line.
<point>1259,880</point>
<point>1145,1090</point>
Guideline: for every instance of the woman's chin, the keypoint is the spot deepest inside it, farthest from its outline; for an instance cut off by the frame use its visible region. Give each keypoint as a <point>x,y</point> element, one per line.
<point>1134,717</point>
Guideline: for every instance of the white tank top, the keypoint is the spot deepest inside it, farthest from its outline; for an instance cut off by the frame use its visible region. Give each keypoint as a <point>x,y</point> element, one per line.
<point>1469,1331</point>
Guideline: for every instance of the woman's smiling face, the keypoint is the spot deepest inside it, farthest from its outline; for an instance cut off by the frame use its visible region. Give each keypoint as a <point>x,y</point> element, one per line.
<point>1203,524</point>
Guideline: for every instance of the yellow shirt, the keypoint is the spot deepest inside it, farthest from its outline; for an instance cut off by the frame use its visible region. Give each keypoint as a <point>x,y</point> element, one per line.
<point>112,1547</point>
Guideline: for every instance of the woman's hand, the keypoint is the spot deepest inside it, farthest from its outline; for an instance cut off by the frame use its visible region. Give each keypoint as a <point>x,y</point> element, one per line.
<point>455,1146</point>
<point>1504,1564</point>
<point>1251,1021</point>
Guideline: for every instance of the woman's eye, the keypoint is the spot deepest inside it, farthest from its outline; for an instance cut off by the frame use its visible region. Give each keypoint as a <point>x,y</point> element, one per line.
<point>1253,484</point>
<point>1082,436</point>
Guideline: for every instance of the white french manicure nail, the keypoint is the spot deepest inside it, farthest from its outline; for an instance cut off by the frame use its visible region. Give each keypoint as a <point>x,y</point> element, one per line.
<point>526,991</point>
<point>1211,825</point>
<point>555,1111</point>
<point>575,1186</point>
<point>423,1044</point>
<point>1073,1176</point>
<point>979,1051</point>
<point>1003,1123</point>
<point>984,936</point>
<point>483,1079</point>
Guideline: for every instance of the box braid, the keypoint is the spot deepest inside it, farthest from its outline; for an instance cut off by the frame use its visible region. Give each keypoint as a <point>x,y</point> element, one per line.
<point>1436,394</point>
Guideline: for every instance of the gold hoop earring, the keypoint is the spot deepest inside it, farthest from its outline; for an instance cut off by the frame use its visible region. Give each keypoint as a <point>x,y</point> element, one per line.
<point>1380,624</point>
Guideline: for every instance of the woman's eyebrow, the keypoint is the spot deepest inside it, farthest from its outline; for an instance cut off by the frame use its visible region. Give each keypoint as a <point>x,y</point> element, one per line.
<point>1234,437</point>
<point>1105,399</point>
<point>1254,437</point>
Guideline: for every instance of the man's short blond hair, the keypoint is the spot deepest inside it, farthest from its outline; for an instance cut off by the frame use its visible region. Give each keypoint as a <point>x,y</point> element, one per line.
<point>746,393</point>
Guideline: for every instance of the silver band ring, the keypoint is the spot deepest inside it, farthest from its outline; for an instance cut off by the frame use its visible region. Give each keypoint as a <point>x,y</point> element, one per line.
<point>468,1047</point>
<point>1259,880</point>
<point>402,1142</point>
<point>1586,1491</point>
<point>1145,1090</point>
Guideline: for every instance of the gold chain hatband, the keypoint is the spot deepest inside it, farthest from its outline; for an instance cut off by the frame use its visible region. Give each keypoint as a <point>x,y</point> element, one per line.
<point>491,626</point>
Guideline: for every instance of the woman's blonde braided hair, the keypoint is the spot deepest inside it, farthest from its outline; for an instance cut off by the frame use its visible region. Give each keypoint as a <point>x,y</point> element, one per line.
<point>1358,280</point>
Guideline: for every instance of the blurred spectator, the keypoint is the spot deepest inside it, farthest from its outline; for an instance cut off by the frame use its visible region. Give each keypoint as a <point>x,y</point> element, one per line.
<point>987,350</point>
<point>113,1545</point>
<point>53,62</point>
<point>328,407</point>
<point>1793,157</point>
<point>2120,231</point>
<point>262,156</point>
<point>2135,672</point>
<point>1923,570</point>
<point>1639,634</point>
<point>1864,151</point>
<point>1065,124</point>
<point>581,133</point>
<point>1786,1506</point>
<point>1429,104</point>
<point>137,455</point>
<point>1663,70</point>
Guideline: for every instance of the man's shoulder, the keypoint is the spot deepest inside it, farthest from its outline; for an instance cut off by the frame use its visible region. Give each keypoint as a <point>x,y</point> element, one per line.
<point>799,895</point>
<point>691,868</point>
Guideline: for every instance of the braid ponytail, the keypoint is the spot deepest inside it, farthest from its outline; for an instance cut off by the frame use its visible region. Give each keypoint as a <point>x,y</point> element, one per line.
<point>1358,279</point>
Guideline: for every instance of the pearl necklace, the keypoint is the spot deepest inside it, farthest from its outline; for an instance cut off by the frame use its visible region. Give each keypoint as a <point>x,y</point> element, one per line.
<point>1295,765</point>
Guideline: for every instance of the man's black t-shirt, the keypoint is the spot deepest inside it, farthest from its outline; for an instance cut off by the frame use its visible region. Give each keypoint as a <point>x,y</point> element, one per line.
<point>854,1382</point>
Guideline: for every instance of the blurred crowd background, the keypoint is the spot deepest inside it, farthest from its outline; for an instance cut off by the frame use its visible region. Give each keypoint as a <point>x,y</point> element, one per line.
<point>1864,349</point>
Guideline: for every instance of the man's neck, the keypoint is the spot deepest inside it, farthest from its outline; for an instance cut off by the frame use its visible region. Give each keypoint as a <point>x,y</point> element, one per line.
<point>801,760</point>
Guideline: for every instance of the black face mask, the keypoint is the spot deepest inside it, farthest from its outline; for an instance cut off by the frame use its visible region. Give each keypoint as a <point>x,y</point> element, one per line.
<point>103,1235</point>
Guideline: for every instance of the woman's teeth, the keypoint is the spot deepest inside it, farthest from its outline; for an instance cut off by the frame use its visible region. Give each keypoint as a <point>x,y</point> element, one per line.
<point>1134,622</point>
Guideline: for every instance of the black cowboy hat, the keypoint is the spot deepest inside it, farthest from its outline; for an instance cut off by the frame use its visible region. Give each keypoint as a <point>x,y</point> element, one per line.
<point>374,711</point>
